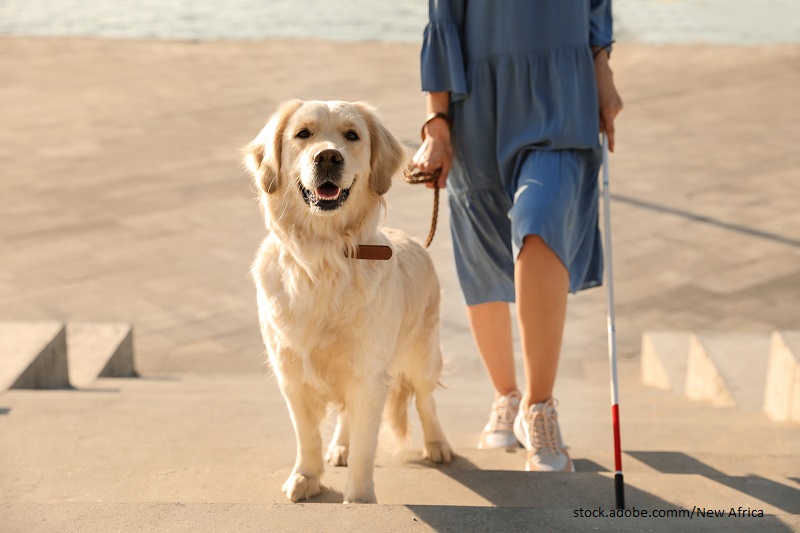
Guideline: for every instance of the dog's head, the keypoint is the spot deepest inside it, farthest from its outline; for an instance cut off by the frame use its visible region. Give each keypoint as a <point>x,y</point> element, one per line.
<point>316,156</point>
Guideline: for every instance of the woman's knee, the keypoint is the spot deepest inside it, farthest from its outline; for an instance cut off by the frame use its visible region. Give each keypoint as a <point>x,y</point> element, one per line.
<point>536,253</point>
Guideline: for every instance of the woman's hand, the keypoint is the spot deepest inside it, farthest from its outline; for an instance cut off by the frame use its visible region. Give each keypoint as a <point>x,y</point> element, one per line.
<point>436,151</point>
<point>610,103</point>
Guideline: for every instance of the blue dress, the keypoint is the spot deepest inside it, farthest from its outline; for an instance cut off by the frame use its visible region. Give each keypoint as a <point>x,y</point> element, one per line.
<point>525,133</point>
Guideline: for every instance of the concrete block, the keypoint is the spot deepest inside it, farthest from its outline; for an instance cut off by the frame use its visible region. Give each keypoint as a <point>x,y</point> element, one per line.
<point>782,391</point>
<point>728,369</point>
<point>665,357</point>
<point>98,349</point>
<point>33,355</point>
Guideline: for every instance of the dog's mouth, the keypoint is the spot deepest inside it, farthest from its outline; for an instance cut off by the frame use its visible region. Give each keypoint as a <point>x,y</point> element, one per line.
<point>326,197</point>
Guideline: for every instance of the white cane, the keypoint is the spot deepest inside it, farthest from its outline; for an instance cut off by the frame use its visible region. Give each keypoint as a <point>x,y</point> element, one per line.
<point>619,486</point>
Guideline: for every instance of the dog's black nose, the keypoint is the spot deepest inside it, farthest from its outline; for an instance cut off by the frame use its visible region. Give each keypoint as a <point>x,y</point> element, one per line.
<point>329,158</point>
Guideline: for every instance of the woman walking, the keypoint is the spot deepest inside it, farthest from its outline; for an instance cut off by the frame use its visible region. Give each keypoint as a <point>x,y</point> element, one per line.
<point>517,91</point>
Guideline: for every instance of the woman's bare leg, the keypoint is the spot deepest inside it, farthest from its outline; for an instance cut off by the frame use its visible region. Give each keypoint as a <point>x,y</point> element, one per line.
<point>542,285</point>
<point>491,329</point>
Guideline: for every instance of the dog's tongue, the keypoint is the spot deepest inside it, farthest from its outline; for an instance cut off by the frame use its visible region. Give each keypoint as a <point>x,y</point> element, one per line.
<point>327,191</point>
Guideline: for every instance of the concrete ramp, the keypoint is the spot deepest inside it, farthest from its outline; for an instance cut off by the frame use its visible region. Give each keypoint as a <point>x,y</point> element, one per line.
<point>97,349</point>
<point>728,369</point>
<point>664,359</point>
<point>33,355</point>
<point>782,391</point>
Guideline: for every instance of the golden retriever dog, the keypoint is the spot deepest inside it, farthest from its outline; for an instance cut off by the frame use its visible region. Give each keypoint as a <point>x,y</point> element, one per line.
<point>361,333</point>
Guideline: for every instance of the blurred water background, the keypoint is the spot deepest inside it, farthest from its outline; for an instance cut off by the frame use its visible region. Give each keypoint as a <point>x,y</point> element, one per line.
<point>649,21</point>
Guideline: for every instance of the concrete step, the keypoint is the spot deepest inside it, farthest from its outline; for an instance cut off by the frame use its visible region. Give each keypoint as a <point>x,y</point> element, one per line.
<point>33,355</point>
<point>328,517</point>
<point>229,439</point>
<point>211,452</point>
<point>99,349</point>
<point>782,392</point>
<point>747,371</point>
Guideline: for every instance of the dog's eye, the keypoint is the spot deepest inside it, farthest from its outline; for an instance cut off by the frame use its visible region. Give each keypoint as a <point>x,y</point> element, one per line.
<point>351,135</point>
<point>303,134</point>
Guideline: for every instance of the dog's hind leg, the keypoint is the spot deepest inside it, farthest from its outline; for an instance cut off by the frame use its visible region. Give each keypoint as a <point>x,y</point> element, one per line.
<point>364,407</point>
<point>396,411</point>
<point>306,411</point>
<point>436,448</point>
<point>340,442</point>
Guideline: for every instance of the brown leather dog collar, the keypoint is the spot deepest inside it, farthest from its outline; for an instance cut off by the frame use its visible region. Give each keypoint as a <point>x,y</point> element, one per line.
<point>372,252</point>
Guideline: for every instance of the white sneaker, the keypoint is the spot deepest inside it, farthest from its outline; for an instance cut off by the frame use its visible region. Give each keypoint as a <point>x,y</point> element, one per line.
<point>499,430</point>
<point>537,429</point>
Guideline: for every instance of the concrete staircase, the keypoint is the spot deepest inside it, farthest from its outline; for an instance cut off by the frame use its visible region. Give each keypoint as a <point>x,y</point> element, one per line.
<point>748,371</point>
<point>209,453</point>
<point>52,355</point>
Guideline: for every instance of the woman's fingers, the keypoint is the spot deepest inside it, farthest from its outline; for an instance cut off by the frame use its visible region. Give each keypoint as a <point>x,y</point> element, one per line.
<point>610,103</point>
<point>441,181</point>
<point>607,127</point>
<point>444,174</point>
<point>608,113</point>
<point>424,158</point>
<point>433,155</point>
<point>421,160</point>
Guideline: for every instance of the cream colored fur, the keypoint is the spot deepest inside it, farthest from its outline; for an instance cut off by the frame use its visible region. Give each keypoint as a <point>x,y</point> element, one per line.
<point>339,330</point>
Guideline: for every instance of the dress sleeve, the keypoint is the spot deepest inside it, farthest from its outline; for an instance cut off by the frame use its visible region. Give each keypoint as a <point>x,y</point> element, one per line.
<point>441,60</point>
<point>601,26</point>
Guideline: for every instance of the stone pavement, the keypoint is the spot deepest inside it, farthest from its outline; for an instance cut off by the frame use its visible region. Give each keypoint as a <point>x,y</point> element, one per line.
<point>123,197</point>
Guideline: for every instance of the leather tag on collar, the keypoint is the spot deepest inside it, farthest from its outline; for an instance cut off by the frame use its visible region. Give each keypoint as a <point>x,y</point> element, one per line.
<point>372,252</point>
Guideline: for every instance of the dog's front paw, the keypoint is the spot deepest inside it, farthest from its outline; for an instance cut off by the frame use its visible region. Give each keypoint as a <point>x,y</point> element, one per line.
<point>364,495</point>
<point>299,487</point>
<point>337,455</point>
<point>437,452</point>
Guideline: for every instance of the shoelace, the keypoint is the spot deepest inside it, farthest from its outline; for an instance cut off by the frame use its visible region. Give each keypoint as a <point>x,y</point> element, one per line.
<point>544,429</point>
<point>503,419</point>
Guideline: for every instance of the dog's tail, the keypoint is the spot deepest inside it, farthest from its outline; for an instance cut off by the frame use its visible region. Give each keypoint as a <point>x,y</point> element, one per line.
<point>396,412</point>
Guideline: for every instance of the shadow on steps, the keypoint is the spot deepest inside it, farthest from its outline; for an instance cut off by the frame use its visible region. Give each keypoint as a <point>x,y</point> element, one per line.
<point>764,489</point>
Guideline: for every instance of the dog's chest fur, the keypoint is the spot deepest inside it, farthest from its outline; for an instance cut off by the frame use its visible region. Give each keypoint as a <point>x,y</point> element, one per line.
<point>314,306</point>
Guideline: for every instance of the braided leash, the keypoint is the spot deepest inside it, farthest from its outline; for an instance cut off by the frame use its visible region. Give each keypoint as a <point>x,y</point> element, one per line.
<point>414,175</point>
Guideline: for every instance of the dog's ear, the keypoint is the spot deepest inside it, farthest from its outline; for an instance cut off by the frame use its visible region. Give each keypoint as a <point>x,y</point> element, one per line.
<point>387,154</point>
<point>263,155</point>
